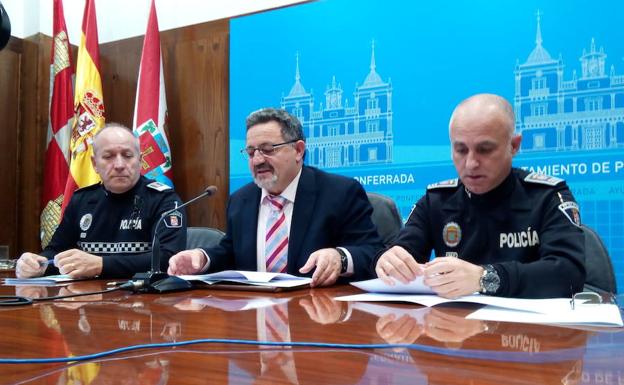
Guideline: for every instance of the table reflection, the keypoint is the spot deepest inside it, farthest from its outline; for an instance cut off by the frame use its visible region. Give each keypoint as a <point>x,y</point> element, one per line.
<point>447,348</point>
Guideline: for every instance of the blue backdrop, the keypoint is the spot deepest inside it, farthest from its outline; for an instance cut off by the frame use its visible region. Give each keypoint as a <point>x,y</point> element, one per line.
<point>374,83</point>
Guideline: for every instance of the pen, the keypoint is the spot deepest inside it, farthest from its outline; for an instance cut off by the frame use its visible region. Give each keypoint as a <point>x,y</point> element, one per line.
<point>46,263</point>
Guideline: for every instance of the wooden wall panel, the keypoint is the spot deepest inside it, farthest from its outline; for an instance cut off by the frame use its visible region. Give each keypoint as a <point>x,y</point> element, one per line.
<point>24,92</point>
<point>196,61</point>
<point>35,90</point>
<point>10,59</point>
<point>120,67</point>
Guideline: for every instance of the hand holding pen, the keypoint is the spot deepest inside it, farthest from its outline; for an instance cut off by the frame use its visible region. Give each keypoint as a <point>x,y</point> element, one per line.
<point>46,263</point>
<point>31,265</point>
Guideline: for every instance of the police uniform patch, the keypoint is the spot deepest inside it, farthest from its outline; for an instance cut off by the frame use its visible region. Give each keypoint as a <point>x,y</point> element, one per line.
<point>174,220</point>
<point>159,186</point>
<point>548,180</point>
<point>451,234</point>
<point>444,184</point>
<point>571,211</point>
<point>85,222</point>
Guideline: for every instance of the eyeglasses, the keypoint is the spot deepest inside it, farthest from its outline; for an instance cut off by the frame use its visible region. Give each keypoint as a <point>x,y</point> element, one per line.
<point>266,149</point>
<point>585,298</point>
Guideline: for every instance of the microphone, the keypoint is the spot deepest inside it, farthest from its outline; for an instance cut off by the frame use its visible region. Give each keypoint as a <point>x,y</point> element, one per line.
<point>148,281</point>
<point>5,27</point>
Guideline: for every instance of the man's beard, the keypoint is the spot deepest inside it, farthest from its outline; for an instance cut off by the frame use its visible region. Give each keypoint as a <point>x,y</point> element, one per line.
<point>265,183</point>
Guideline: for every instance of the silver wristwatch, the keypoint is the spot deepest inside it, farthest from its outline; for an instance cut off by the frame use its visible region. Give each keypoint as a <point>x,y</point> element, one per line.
<point>490,281</point>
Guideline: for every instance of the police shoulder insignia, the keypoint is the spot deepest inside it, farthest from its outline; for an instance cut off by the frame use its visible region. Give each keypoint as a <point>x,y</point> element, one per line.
<point>444,184</point>
<point>535,177</point>
<point>174,220</point>
<point>158,186</point>
<point>571,211</point>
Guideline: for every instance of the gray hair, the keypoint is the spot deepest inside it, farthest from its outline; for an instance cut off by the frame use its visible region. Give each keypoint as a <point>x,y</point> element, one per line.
<point>120,126</point>
<point>291,126</point>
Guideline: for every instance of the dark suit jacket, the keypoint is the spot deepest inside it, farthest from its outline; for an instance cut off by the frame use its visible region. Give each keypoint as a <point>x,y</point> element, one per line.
<point>329,211</point>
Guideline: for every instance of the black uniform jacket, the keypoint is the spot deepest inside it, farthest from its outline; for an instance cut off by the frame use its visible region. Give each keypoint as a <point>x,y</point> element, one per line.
<point>120,227</point>
<point>527,228</point>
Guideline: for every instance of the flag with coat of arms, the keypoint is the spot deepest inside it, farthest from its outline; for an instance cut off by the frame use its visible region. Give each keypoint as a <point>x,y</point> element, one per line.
<point>59,126</point>
<point>150,110</point>
<point>88,106</point>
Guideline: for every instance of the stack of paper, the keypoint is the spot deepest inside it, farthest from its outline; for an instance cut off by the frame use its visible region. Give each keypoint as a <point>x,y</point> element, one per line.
<point>543,311</point>
<point>49,280</point>
<point>376,285</point>
<point>606,315</point>
<point>254,278</point>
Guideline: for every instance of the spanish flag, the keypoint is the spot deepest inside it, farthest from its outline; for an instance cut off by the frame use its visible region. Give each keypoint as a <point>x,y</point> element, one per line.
<point>88,106</point>
<point>150,110</point>
<point>59,127</point>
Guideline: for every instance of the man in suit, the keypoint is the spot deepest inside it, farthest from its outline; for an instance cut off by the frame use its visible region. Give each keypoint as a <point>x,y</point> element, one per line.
<point>293,218</point>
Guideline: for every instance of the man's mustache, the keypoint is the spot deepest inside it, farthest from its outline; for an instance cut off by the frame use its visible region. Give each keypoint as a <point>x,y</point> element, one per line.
<point>263,167</point>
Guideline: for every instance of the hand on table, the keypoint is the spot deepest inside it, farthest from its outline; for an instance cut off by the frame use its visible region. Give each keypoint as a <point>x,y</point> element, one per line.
<point>328,266</point>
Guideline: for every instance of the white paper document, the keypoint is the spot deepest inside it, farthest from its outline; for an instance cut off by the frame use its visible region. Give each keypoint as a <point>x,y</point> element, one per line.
<point>534,305</point>
<point>254,278</point>
<point>549,311</point>
<point>605,315</point>
<point>378,286</point>
<point>49,280</point>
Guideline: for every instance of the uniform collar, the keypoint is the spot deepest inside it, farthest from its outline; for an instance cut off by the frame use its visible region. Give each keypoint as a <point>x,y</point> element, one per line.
<point>130,192</point>
<point>500,192</point>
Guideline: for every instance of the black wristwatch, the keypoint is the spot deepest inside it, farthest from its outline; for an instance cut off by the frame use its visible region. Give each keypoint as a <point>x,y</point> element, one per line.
<point>344,261</point>
<point>490,281</point>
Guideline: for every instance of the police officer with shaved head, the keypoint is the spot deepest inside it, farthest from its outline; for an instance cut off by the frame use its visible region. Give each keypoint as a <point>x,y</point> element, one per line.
<point>496,229</point>
<point>107,228</point>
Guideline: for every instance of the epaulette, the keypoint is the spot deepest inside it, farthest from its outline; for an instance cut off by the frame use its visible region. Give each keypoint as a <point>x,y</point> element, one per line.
<point>159,186</point>
<point>548,180</point>
<point>449,183</point>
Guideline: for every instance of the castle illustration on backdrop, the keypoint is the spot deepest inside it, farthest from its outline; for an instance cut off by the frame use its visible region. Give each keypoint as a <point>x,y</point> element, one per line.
<point>340,133</point>
<point>553,114</point>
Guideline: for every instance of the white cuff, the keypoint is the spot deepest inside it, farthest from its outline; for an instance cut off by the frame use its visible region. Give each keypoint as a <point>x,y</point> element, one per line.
<point>207,265</point>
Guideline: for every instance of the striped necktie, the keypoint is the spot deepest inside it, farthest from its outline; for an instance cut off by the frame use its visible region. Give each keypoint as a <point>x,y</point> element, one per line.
<point>276,239</point>
<point>277,330</point>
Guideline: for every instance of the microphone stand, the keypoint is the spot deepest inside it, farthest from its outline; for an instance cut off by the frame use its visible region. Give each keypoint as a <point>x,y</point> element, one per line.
<point>146,281</point>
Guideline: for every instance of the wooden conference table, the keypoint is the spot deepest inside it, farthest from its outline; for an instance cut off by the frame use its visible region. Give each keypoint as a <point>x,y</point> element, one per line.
<point>448,349</point>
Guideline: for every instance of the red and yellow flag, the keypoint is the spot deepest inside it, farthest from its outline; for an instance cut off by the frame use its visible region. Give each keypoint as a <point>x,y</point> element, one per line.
<point>150,110</point>
<point>88,106</point>
<point>59,127</point>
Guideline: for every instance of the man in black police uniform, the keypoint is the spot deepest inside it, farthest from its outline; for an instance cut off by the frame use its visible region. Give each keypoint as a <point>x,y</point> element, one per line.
<point>107,227</point>
<point>497,230</point>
